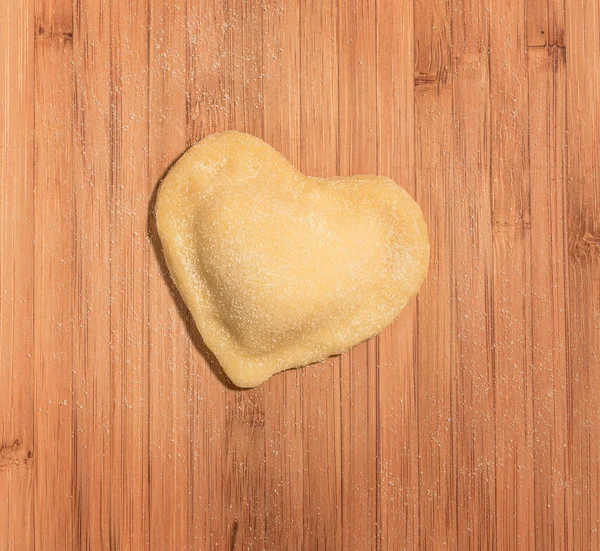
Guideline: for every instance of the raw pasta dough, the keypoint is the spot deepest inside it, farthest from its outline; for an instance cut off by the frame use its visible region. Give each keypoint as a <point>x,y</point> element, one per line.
<point>279,269</point>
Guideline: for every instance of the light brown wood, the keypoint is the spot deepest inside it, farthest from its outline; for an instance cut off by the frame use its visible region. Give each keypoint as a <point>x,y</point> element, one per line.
<point>473,422</point>
<point>582,246</point>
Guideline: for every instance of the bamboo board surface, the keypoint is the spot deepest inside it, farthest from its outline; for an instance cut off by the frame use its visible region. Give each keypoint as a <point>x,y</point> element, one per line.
<point>473,422</point>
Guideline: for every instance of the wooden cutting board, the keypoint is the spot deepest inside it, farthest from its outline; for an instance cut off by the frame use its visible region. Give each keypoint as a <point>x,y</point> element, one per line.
<point>473,422</point>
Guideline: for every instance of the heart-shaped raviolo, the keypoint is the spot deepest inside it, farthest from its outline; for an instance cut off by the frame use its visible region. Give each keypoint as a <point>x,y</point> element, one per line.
<point>279,269</point>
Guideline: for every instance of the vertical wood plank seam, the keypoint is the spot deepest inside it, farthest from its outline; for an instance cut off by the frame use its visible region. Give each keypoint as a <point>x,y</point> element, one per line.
<point>415,46</point>
<point>113,137</point>
<point>75,489</point>
<point>415,358</point>
<point>529,264</point>
<point>453,398</point>
<point>300,379</point>
<point>489,278</point>
<point>147,253</point>
<point>378,540</point>
<point>149,311</point>
<point>557,312</point>
<point>33,286</point>
<point>569,503</point>
<point>338,165</point>
<point>564,175</point>
<point>76,26</point>
<point>190,404</point>
<point>262,391</point>
<point>192,385</point>
<point>529,368</point>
